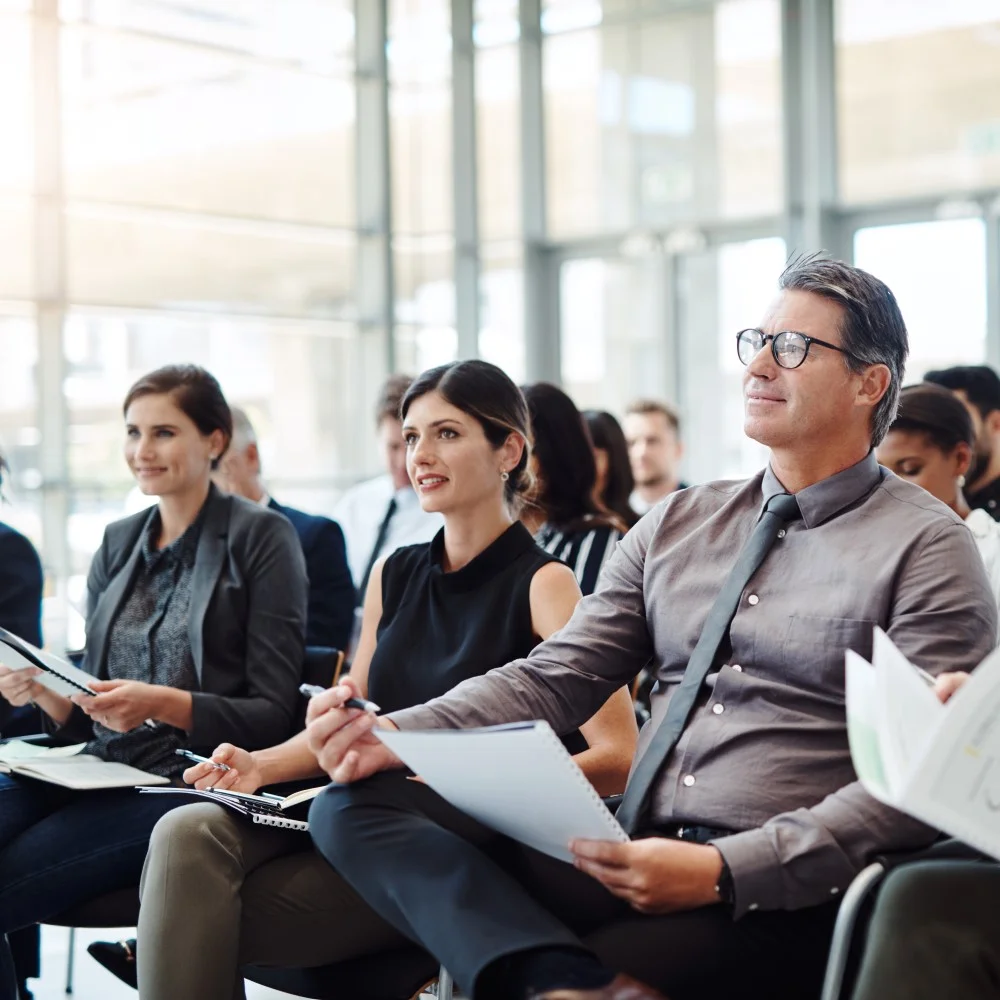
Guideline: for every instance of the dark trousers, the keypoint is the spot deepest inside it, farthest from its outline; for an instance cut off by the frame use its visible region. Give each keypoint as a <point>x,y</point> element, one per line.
<point>935,933</point>
<point>59,848</point>
<point>472,898</point>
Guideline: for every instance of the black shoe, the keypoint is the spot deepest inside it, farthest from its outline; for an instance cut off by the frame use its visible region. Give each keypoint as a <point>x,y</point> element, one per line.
<point>118,957</point>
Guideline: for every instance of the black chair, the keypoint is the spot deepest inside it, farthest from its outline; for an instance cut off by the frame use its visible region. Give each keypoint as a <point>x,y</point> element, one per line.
<point>394,975</point>
<point>322,665</point>
<point>851,928</point>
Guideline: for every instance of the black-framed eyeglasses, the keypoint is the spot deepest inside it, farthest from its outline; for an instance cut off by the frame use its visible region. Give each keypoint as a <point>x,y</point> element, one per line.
<point>789,348</point>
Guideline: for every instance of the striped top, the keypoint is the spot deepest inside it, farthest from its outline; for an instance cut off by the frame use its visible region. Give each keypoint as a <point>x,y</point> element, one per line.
<point>585,551</point>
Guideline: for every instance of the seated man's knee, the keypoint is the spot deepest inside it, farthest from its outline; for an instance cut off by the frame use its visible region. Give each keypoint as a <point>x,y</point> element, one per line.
<point>336,817</point>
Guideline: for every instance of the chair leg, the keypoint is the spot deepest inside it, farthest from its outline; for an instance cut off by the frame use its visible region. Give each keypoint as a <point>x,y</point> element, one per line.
<point>843,931</point>
<point>70,954</point>
<point>445,985</point>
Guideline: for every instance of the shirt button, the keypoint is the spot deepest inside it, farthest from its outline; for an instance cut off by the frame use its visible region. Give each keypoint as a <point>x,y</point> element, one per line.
<point>718,709</point>
<point>753,599</point>
<point>781,534</point>
<point>737,668</point>
<point>754,906</point>
<point>688,780</point>
<point>834,891</point>
<point>991,504</point>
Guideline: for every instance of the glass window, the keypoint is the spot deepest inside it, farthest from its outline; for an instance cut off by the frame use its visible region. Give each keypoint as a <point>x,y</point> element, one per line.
<point>656,120</point>
<point>918,92</point>
<point>19,433</point>
<point>501,296</point>
<point>720,292</point>
<point>150,122</point>
<point>496,22</point>
<point>156,259</point>
<point>424,276</point>
<point>498,138</point>
<point>613,340</point>
<point>937,271</point>
<point>17,248</point>
<point>421,347</point>
<point>315,33</point>
<point>16,133</point>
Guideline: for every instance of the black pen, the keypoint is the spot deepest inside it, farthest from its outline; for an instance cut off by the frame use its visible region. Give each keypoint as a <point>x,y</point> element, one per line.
<point>311,690</point>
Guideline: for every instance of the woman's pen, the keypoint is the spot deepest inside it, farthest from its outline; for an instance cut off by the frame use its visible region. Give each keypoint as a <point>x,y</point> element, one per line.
<point>311,690</point>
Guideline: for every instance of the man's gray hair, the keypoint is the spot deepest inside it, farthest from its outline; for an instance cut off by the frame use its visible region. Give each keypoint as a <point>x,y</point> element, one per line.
<point>873,330</point>
<point>243,432</point>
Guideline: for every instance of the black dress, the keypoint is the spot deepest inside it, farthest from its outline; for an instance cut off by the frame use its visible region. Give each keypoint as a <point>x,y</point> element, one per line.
<point>438,629</point>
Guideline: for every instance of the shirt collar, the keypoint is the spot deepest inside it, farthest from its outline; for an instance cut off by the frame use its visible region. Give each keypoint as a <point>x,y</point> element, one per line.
<point>830,496</point>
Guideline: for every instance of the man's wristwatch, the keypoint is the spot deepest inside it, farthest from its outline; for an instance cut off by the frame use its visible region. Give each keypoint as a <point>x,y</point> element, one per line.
<point>725,887</point>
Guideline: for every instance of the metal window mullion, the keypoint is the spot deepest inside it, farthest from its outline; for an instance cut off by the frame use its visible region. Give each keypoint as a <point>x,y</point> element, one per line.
<point>464,167</point>
<point>376,352</point>
<point>992,219</point>
<point>50,295</point>
<point>541,271</point>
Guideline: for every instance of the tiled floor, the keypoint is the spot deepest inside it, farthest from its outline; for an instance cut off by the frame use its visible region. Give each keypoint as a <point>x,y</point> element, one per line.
<point>91,982</point>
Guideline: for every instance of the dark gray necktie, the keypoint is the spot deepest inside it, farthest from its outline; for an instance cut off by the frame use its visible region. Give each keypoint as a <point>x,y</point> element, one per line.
<point>779,511</point>
<point>380,537</point>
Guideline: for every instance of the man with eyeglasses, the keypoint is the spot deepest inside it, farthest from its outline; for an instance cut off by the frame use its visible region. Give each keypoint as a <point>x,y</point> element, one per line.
<point>746,817</point>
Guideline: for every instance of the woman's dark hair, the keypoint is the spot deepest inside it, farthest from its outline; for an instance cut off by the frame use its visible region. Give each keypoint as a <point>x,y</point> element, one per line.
<point>937,413</point>
<point>485,392</point>
<point>567,471</point>
<point>196,392</point>
<point>607,434</point>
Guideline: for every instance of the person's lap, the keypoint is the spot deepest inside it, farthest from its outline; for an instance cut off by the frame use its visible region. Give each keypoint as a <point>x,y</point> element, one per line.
<point>701,953</point>
<point>59,848</point>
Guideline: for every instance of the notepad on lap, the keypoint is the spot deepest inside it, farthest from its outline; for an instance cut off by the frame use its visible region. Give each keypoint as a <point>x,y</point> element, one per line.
<point>517,779</point>
<point>82,772</point>
<point>259,808</point>
<point>57,675</point>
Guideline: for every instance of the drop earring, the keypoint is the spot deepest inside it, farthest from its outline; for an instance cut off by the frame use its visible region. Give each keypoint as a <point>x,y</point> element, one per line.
<point>961,482</point>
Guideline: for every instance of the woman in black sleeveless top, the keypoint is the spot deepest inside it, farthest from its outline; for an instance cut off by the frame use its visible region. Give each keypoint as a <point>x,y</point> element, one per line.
<point>479,595</point>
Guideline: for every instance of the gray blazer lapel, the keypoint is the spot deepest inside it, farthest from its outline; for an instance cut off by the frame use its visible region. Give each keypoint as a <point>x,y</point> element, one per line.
<point>208,563</point>
<point>99,625</point>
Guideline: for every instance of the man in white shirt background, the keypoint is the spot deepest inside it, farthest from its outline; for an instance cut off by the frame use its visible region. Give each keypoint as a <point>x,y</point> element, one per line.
<point>652,430</point>
<point>382,514</point>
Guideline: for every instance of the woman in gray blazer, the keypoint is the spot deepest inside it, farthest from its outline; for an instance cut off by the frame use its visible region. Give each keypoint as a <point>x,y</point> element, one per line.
<point>195,634</point>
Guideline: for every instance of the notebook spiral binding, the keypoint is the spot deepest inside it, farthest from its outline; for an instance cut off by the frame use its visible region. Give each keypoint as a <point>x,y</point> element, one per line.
<point>615,831</point>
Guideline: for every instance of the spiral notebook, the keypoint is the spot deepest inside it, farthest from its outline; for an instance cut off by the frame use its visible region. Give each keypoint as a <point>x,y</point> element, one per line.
<point>57,675</point>
<point>261,809</point>
<point>517,779</point>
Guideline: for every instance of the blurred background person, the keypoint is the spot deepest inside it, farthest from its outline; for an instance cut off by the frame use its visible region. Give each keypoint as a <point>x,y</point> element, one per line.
<point>21,584</point>
<point>652,431</point>
<point>615,482</point>
<point>931,442</point>
<point>978,387</point>
<point>331,590</point>
<point>563,515</point>
<point>381,514</point>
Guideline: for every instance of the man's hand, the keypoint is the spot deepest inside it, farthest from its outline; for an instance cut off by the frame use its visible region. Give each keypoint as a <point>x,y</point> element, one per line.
<point>121,705</point>
<point>654,875</point>
<point>242,776</point>
<point>19,687</point>
<point>945,685</point>
<point>342,738</point>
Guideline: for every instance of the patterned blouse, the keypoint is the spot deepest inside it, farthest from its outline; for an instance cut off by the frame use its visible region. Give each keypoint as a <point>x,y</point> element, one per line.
<point>149,642</point>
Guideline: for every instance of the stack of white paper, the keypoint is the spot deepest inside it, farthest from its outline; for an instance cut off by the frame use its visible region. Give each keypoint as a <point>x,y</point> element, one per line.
<point>939,763</point>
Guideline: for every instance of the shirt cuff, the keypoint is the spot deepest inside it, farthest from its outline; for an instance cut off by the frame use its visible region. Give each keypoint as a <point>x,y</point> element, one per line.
<point>756,871</point>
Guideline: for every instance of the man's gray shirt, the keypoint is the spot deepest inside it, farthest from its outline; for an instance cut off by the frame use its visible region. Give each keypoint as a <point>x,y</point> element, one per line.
<point>766,751</point>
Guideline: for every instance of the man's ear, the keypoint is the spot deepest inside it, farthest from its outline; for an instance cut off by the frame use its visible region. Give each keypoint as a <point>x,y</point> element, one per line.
<point>874,385</point>
<point>253,454</point>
